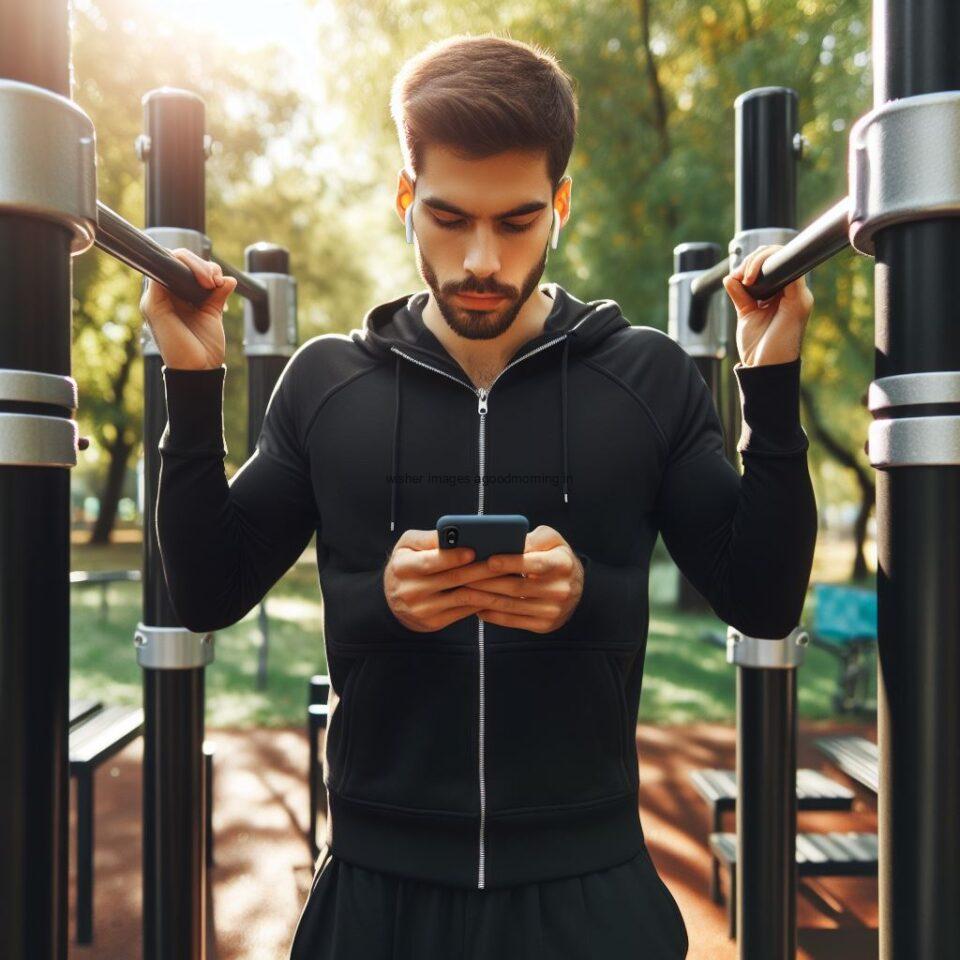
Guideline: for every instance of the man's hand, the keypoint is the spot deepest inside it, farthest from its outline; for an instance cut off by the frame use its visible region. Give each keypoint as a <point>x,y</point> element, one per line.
<point>768,331</point>
<point>543,586</point>
<point>189,337</point>
<point>423,584</point>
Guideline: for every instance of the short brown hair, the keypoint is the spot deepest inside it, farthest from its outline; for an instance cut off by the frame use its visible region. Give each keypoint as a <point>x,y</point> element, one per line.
<point>483,95</point>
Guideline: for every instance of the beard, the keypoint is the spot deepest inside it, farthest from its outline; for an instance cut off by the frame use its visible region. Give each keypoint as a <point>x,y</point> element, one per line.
<point>479,324</point>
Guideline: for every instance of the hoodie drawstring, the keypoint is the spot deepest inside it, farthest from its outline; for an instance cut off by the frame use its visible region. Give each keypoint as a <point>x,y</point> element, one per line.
<point>396,449</point>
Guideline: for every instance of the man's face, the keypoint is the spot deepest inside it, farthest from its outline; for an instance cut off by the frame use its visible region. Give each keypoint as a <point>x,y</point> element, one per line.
<point>482,227</point>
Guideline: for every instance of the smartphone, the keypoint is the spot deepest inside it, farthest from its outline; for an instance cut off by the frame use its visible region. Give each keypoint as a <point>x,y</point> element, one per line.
<point>486,533</point>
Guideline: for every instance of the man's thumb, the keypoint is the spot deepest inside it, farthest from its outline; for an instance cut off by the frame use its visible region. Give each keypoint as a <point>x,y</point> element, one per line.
<point>419,539</point>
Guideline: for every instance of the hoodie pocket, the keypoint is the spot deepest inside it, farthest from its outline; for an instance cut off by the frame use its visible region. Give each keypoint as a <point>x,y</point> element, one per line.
<point>555,721</point>
<point>412,732</point>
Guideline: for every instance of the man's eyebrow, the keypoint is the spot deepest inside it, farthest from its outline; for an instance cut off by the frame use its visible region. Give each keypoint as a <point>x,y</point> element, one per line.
<point>437,204</point>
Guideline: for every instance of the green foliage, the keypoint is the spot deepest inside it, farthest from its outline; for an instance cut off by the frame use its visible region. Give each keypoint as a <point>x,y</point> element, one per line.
<point>123,49</point>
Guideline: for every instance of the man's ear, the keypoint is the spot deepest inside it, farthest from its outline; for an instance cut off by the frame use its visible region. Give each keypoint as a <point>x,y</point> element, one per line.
<point>404,193</point>
<point>562,199</point>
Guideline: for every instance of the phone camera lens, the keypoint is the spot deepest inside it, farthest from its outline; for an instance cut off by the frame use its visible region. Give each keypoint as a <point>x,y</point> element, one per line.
<point>452,535</point>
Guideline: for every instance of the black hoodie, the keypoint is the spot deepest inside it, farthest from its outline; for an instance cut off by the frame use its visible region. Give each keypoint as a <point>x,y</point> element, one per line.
<point>479,755</point>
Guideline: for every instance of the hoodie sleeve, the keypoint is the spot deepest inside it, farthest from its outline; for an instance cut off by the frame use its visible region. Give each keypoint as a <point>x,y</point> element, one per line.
<point>223,545</point>
<point>612,595</point>
<point>745,542</point>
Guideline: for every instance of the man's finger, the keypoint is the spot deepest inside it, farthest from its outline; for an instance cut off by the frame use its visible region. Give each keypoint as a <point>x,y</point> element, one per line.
<point>426,562</point>
<point>514,586</point>
<point>538,563</point>
<point>418,539</point>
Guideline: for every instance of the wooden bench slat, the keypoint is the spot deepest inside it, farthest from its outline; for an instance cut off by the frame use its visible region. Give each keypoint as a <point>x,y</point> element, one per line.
<point>816,852</point>
<point>857,757</point>
<point>832,849</point>
<point>814,790</point>
<point>105,733</point>
<point>809,851</point>
<point>80,710</point>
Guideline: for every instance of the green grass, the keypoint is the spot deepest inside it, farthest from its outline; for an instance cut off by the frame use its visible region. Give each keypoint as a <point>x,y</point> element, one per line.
<point>685,679</point>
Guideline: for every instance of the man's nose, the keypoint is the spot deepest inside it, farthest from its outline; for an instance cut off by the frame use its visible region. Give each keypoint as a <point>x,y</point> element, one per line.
<point>482,257</point>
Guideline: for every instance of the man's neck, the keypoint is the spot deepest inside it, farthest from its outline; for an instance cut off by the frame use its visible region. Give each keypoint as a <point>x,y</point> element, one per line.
<point>483,360</point>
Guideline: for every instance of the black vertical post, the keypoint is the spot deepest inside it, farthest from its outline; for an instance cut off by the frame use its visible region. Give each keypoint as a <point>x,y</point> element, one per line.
<point>174,825</point>
<point>918,520</point>
<point>267,352</point>
<point>766,127</point>
<point>35,329</point>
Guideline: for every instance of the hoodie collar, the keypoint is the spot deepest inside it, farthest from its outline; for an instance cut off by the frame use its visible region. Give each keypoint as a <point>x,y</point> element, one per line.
<point>395,330</point>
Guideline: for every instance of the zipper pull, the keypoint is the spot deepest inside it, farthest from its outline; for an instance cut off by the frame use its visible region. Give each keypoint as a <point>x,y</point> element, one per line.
<point>481,401</point>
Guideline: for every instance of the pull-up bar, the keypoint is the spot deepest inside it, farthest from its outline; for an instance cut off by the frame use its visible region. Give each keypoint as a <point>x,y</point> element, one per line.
<point>826,236</point>
<point>122,240</point>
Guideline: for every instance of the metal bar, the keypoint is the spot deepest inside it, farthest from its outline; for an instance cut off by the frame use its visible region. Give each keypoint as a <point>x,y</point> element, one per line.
<point>823,238</point>
<point>122,240</point>
<point>250,289</point>
<point>35,335</point>
<point>766,126</point>
<point>174,825</point>
<point>918,514</point>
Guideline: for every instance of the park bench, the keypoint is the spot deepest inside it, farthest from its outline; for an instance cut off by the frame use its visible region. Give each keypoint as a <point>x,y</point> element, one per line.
<point>318,693</point>
<point>834,854</point>
<point>97,733</point>
<point>103,579</point>
<point>719,789</point>
<point>845,626</point>
<point>857,757</point>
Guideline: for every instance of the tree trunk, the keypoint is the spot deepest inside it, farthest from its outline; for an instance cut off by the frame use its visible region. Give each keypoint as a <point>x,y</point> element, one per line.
<point>864,478</point>
<point>112,488</point>
<point>119,449</point>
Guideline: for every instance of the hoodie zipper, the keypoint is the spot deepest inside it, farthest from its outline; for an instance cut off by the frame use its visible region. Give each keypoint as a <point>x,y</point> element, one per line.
<point>483,396</point>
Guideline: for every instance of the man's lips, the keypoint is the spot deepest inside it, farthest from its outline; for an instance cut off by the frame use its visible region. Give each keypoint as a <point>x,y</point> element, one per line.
<point>477,301</point>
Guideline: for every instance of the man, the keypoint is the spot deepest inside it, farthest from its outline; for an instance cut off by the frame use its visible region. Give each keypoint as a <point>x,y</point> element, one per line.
<point>480,760</point>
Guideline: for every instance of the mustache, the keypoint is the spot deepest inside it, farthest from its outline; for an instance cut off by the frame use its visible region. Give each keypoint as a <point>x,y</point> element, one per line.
<point>479,290</point>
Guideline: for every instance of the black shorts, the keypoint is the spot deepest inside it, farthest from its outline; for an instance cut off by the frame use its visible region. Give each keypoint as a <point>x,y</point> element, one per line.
<point>624,912</point>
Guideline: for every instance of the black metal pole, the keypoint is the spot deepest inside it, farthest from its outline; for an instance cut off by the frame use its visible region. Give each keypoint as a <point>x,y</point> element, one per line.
<point>918,519</point>
<point>268,351</point>
<point>766,128</point>
<point>35,333</point>
<point>174,827</point>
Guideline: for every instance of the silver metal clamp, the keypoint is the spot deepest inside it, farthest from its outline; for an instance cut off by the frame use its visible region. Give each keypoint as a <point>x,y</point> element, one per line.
<point>33,439</point>
<point>767,654</point>
<point>904,164</point>
<point>746,241</point>
<point>280,340</point>
<point>923,441</point>
<point>172,648</point>
<point>48,165</point>
<point>712,340</point>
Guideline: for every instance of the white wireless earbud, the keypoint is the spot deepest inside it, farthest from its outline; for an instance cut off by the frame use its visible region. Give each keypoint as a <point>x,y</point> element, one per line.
<point>555,238</point>
<point>408,220</point>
